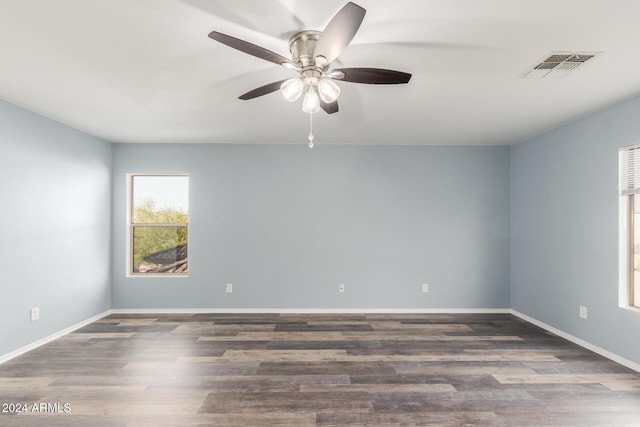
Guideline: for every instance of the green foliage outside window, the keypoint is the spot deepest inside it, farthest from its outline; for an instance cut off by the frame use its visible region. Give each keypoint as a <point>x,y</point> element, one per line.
<point>151,239</point>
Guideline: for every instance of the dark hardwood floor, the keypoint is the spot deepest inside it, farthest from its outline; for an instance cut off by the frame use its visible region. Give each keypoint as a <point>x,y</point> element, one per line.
<point>299,370</point>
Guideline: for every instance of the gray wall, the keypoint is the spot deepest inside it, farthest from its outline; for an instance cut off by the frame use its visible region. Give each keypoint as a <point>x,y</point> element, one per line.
<point>285,224</point>
<point>564,228</point>
<point>55,226</point>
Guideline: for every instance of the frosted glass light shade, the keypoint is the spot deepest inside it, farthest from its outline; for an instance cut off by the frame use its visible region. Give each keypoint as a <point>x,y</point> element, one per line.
<point>329,90</point>
<point>311,103</point>
<point>292,89</point>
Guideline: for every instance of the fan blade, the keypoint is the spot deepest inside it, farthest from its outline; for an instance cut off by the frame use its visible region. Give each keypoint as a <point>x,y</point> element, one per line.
<point>374,76</point>
<point>329,108</point>
<point>251,49</point>
<point>339,32</point>
<point>262,90</point>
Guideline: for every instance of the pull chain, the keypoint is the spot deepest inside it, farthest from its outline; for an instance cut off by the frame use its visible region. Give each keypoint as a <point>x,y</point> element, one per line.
<point>310,130</point>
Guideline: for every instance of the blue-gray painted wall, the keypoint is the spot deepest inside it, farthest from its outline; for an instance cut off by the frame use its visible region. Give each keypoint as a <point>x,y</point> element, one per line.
<point>55,226</point>
<point>286,224</point>
<point>533,227</point>
<point>564,228</point>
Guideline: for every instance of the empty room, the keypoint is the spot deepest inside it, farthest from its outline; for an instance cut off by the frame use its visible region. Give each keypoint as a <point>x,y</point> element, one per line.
<point>289,212</point>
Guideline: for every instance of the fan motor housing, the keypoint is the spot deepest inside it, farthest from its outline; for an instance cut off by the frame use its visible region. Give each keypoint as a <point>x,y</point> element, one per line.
<point>302,45</point>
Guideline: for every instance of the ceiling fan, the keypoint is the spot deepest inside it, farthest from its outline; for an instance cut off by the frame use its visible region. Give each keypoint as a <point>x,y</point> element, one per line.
<point>312,54</point>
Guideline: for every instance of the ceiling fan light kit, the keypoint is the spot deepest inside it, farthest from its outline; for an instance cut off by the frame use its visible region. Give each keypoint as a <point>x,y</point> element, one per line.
<point>311,103</point>
<point>292,89</point>
<point>328,90</point>
<point>312,53</point>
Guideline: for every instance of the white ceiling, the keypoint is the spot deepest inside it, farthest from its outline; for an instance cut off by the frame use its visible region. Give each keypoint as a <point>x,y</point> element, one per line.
<point>145,70</point>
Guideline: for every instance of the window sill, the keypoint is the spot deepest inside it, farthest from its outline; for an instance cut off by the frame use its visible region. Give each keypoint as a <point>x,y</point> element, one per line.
<point>155,276</point>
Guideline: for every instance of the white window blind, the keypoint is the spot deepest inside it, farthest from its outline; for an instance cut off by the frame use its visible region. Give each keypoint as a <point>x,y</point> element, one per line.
<point>630,170</point>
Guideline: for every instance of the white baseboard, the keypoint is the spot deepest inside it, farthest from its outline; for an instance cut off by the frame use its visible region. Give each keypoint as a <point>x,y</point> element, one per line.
<point>582,343</point>
<point>310,310</point>
<point>54,336</point>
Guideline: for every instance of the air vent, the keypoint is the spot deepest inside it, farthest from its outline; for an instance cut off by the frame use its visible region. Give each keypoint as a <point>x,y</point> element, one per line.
<point>558,65</point>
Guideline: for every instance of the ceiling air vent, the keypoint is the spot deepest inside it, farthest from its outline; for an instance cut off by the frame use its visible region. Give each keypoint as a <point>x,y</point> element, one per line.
<point>558,65</point>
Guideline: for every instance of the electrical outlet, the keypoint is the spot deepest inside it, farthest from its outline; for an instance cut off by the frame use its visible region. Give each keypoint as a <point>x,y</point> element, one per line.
<point>583,312</point>
<point>229,288</point>
<point>425,288</point>
<point>34,314</point>
<point>341,288</point>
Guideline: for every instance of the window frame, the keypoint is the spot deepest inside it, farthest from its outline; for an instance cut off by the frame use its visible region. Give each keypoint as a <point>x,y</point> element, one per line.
<point>629,173</point>
<point>131,227</point>
<point>633,288</point>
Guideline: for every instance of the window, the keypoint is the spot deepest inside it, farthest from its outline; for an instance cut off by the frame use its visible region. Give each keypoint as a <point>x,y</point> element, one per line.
<point>630,206</point>
<point>159,224</point>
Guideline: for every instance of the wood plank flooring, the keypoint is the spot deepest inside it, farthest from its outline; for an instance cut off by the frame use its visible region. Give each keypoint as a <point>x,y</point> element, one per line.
<point>307,370</point>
